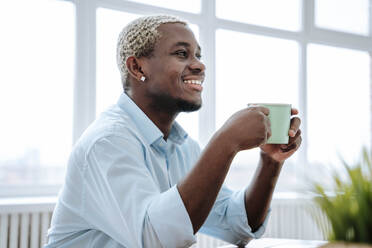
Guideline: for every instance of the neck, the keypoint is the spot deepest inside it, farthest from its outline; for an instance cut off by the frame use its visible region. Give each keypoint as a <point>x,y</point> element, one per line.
<point>162,118</point>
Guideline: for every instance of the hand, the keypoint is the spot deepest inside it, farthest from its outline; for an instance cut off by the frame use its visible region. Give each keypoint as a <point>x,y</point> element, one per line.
<point>282,152</point>
<point>248,128</point>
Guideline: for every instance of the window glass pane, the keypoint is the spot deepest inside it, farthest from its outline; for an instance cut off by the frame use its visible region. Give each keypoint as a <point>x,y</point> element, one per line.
<point>343,15</point>
<point>187,6</point>
<point>36,90</point>
<point>284,14</point>
<point>109,87</point>
<point>338,104</point>
<point>249,69</point>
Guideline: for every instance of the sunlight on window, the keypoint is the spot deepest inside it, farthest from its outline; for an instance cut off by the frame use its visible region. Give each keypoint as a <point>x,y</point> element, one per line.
<point>254,69</point>
<point>338,104</point>
<point>109,86</point>
<point>343,15</point>
<point>283,14</point>
<point>36,93</point>
<point>187,6</point>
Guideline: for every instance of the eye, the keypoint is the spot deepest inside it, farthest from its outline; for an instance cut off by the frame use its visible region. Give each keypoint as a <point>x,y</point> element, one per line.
<point>198,55</point>
<point>181,53</point>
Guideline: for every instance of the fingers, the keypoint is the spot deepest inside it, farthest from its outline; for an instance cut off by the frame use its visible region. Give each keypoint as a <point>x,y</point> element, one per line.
<point>264,110</point>
<point>268,130</point>
<point>294,142</point>
<point>295,126</point>
<point>294,111</point>
<point>293,139</point>
<point>263,114</point>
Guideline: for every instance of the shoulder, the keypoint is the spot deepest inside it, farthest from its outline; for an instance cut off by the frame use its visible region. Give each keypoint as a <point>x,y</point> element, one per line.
<point>112,128</point>
<point>192,145</point>
<point>190,151</point>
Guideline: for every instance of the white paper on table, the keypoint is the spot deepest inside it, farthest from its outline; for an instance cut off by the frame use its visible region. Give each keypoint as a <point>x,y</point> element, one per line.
<point>284,243</point>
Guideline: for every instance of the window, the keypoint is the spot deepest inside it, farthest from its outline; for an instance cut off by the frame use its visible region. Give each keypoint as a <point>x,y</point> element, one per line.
<point>36,91</point>
<point>339,104</point>
<point>189,6</point>
<point>284,14</point>
<point>254,51</point>
<point>109,25</point>
<point>343,15</point>
<point>253,69</point>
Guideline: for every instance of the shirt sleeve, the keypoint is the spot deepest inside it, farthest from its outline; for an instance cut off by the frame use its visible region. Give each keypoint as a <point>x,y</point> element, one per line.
<point>228,219</point>
<point>122,199</point>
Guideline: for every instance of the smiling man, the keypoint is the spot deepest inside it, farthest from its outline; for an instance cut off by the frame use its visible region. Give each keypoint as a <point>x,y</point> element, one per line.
<point>136,179</point>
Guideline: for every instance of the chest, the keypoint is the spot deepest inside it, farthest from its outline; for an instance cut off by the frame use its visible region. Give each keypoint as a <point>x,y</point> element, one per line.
<point>168,164</point>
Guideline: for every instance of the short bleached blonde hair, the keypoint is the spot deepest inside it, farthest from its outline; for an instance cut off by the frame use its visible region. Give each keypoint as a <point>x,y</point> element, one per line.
<point>138,39</point>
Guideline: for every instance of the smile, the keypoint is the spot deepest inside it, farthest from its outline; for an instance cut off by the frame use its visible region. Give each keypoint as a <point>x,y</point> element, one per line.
<point>193,82</point>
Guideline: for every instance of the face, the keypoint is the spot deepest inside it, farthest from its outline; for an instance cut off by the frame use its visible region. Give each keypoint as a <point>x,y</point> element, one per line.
<point>175,73</point>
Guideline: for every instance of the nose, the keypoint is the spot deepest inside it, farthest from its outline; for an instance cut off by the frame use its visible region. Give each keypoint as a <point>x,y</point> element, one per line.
<point>197,66</point>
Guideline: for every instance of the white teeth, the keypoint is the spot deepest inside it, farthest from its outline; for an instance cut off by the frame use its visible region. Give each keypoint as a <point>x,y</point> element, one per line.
<point>192,82</point>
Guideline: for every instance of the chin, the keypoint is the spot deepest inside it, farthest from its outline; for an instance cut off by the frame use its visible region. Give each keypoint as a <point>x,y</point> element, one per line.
<point>188,106</point>
<point>166,103</point>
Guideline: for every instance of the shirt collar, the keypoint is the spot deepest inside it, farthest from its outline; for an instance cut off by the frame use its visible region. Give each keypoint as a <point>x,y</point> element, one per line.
<point>148,129</point>
<point>177,134</point>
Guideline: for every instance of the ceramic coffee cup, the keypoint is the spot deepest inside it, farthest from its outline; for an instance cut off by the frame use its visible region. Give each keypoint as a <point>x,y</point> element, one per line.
<point>280,118</point>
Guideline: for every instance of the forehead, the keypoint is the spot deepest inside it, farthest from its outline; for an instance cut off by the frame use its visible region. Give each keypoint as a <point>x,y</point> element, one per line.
<point>173,33</point>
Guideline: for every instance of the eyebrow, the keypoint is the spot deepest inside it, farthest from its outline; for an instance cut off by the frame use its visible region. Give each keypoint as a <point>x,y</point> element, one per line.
<point>185,44</point>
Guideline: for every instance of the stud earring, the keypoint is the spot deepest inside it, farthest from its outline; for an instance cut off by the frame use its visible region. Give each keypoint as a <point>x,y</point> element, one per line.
<point>143,78</point>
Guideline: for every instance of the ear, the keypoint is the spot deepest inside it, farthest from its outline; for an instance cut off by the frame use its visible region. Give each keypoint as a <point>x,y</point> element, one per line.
<point>134,66</point>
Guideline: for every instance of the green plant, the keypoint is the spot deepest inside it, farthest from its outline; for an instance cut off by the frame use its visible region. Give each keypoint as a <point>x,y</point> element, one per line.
<point>349,207</point>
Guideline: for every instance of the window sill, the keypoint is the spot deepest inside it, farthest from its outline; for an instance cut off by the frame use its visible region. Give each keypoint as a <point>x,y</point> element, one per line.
<point>32,191</point>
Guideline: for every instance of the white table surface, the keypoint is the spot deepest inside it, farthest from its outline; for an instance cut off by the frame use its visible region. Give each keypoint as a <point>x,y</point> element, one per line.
<point>281,243</point>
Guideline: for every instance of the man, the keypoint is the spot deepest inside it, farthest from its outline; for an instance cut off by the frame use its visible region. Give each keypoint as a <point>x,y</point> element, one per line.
<point>135,179</point>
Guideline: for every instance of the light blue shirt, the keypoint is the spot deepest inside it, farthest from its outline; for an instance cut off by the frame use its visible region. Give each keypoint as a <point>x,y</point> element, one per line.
<point>120,188</point>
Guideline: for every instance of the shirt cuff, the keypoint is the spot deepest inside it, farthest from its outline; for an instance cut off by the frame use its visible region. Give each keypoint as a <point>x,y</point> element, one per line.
<point>239,220</point>
<point>170,220</point>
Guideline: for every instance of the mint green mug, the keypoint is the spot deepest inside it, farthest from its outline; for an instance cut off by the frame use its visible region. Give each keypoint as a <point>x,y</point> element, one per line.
<point>280,118</point>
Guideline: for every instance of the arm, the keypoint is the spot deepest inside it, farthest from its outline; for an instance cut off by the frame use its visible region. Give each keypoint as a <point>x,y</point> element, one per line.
<point>244,130</point>
<point>258,196</point>
<point>201,186</point>
<point>122,200</point>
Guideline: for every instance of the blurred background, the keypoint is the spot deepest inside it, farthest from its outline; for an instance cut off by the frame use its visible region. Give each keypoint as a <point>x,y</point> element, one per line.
<point>58,72</point>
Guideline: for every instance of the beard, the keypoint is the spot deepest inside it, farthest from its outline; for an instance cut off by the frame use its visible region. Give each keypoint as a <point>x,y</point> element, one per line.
<point>185,106</point>
<point>167,103</point>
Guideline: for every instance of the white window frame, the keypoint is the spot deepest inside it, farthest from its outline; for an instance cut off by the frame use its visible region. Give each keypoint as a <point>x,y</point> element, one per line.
<point>84,111</point>
<point>208,23</point>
